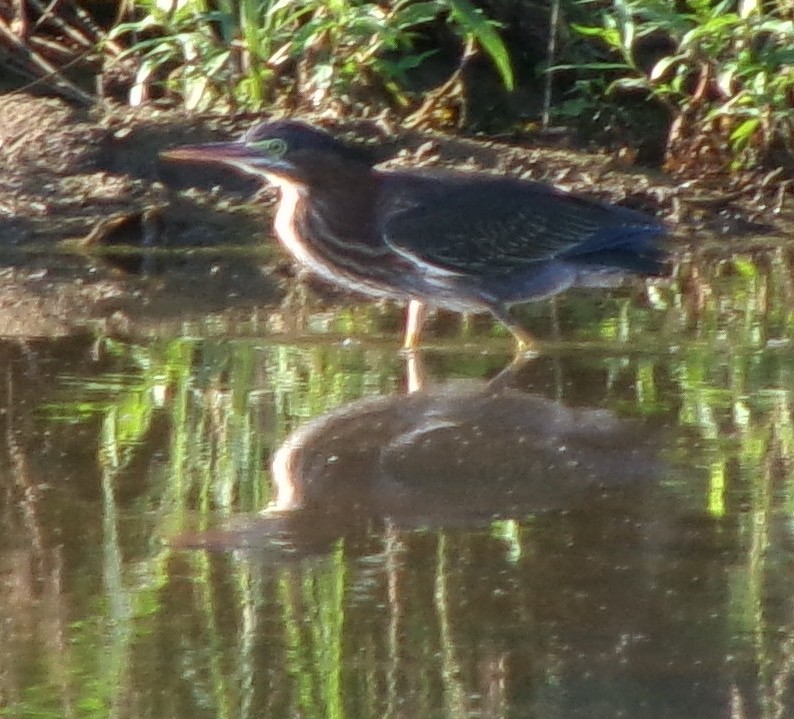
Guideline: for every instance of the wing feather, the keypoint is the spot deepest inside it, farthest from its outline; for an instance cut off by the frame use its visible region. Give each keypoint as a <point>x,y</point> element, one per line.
<point>454,225</point>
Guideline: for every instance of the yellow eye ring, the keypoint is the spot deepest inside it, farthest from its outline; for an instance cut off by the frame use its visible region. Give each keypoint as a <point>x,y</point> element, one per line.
<point>276,147</point>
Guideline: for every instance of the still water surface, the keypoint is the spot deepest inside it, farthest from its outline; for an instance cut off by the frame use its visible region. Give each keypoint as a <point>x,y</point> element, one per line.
<point>603,531</point>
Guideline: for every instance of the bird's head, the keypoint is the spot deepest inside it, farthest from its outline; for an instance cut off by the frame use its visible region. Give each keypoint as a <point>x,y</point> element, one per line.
<point>284,150</point>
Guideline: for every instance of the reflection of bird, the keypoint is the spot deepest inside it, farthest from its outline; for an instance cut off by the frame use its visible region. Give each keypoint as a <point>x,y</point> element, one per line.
<point>464,241</point>
<point>465,449</point>
<point>461,455</point>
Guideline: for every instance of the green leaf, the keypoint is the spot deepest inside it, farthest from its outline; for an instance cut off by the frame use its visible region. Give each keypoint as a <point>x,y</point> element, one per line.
<point>216,64</point>
<point>416,14</point>
<point>660,68</point>
<point>629,83</point>
<point>473,24</point>
<point>742,134</point>
<point>744,267</point>
<point>589,30</point>
<point>594,66</point>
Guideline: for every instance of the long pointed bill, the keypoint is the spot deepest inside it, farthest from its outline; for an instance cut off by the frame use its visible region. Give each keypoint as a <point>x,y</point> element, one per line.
<point>225,152</point>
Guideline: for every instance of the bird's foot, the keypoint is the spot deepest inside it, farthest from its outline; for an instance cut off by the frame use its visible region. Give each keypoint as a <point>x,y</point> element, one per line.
<point>527,344</point>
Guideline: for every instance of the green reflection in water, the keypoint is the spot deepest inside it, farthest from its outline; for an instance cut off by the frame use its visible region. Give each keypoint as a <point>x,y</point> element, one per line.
<point>146,441</point>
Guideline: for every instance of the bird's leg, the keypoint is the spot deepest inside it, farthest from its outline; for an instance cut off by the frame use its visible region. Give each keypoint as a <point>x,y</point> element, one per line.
<point>526,342</point>
<point>417,314</point>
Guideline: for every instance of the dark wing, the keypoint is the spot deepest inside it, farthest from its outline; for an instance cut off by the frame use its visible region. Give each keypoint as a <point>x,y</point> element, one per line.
<point>459,223</point>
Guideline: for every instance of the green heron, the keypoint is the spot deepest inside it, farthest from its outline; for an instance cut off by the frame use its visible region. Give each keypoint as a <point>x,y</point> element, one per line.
<point>464,241</point>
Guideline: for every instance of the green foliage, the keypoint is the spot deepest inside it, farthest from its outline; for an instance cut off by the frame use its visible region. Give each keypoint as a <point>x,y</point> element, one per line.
<point>731,65</point>
<point>247,52</point>
<point>205,54</point>
<point>471,23</point>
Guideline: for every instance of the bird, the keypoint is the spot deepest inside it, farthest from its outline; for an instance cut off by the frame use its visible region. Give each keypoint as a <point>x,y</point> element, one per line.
<point>463,241</point>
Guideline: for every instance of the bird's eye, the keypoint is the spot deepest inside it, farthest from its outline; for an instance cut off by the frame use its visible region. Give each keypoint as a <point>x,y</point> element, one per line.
<point>275,147</point>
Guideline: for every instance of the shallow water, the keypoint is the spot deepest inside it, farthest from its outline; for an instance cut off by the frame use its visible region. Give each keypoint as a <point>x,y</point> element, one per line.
<point>603,531</point>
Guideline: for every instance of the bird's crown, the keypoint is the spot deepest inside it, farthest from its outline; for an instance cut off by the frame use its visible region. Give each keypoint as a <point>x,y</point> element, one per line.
<point>282,138</point>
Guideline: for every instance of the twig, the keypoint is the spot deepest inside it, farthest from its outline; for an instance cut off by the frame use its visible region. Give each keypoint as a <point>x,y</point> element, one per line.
<point>551,54</point>
<point>437,95</point>
<point>60,83</point>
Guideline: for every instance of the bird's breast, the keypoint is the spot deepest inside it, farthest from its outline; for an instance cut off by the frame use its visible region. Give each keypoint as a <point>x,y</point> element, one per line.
<point>338,256</point>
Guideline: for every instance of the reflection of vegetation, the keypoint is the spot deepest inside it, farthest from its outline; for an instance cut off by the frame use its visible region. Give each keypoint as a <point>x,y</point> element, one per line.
<point>422,623</point>
<point>219,425</point>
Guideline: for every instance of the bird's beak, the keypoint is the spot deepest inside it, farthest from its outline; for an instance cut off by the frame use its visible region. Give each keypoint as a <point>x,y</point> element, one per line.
<point>237,155</point>
<point>224,152</point>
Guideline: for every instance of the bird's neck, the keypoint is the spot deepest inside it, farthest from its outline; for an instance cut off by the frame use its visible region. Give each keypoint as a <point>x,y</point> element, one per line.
<point>341,205</point>
<point>316,223</point>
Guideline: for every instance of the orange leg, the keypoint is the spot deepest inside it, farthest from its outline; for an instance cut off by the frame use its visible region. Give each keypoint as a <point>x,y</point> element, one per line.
<point>417,313</point>
<point>526,342</point>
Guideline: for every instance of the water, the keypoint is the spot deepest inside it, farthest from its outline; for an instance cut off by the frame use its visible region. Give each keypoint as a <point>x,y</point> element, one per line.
<point>603,531</point>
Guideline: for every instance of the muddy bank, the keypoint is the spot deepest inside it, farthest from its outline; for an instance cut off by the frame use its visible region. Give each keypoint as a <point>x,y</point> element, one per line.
<point>82,192</point>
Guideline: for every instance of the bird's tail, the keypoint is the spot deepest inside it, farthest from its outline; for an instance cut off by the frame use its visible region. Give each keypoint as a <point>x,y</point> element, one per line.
<point>636,250</point>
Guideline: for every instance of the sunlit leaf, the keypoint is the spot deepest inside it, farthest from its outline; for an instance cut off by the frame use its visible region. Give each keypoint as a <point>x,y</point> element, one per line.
<point>473,23</point>
<point>416,14</point>
<point>660,68</point>
<point>588,30</point>
<point>744,266</point>
<point>725,81</point>
<point>748,7</point>
<point>629,83</point>
<point>744,132</point>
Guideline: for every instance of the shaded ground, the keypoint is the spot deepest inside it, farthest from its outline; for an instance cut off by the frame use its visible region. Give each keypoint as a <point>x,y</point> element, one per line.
<point>80,191</point>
